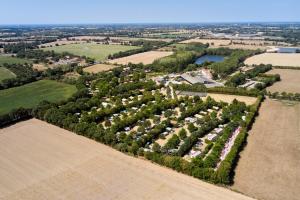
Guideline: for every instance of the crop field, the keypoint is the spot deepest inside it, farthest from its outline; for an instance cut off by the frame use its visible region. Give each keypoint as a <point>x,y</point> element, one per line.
<point>39,67</point>
<point>31,94</point>
<point>84,38</point>
<point>212,42</point>
<point>236,44</point>
<point>229,98</point>
<point>42,161</point>
<point>269,166</point>
<point>12,60</point>
<point>290,81</point>
<point>145,58</point>
<point>5,74</point>
<point>92,50</point>
<point>275,59</point>
<point>99,68</point>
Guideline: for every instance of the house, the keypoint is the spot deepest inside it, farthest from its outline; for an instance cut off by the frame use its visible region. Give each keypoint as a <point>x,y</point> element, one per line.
<point>169,129</point>
<point>198,116</point>
<point>211,136</point>
<point>216,108</point>
<point>165,133</point>
<point>190,119</point>
<point>218,130</point>
<point>194,154</point>
<point>203,112</point>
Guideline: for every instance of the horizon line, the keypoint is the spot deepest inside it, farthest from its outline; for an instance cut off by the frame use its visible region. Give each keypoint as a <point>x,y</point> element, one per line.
<point>145,23</point>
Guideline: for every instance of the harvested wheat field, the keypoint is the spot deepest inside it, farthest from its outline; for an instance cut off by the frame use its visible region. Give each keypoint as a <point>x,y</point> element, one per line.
<point>41,161</point>
<point>275,59</point>
<point>212,42</point>
<point>269,167</point>
<point>233,44</point>
<point>39,67</point>
<point>229,98</point>
<point>99,68</point>
<point>145,58</point>
<point>290,81</point>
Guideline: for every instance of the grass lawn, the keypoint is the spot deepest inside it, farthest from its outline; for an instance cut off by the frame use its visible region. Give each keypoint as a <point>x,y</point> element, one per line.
<point>92,50</point>
<point>29,95</point>
<point>12,60</point>
<point>5,73</point>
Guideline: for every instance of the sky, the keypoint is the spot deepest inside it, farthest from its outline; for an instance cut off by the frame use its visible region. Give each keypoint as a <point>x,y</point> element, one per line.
<point>147,11</point>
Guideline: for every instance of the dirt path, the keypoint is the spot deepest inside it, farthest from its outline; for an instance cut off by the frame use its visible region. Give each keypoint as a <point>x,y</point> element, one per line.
<point>269,167</point>
<point>41,161</point>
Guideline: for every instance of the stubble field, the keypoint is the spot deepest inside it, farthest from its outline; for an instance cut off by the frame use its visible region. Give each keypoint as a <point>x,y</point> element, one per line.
<point>275,59</point>
<point>99,68</point>
<point>145,58</point>
<point>290,81</point>
<point>41,161</point>
<point>269,167</point>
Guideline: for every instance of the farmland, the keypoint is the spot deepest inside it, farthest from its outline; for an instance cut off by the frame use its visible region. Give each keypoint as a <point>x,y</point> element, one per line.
<point>99,68</point>
<point>275,59</point>
<point>234,44</point>
<point>30,95</point>
<point>147,111</point>
<point>92,50</point>
<point>43,161</point>
<point>230,98</point>
<point>12,60</point>
<point>145,58</point>
<point>269,166</point>
<point>5,74</point>
<point>290,81</point>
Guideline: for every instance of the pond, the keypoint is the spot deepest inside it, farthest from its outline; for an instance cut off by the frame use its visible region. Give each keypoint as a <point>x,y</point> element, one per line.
<point>209,58</point>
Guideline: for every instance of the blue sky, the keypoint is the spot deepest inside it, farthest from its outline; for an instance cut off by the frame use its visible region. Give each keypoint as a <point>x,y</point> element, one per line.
<point>147,11</point>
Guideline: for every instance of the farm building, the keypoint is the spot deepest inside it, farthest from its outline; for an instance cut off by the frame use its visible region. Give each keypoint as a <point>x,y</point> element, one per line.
<point>284,50</point>
<point>199,79</point>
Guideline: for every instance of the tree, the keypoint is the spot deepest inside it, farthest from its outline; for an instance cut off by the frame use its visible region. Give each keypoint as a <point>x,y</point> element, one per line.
<point>182,134</point>
<point>156,147</point>
<point>191,127</point>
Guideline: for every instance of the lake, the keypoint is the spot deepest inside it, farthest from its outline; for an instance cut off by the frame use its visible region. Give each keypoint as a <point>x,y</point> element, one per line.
<point>209,58</point>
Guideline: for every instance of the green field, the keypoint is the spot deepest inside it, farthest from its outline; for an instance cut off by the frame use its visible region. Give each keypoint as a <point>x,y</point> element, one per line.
<point>12,60</point>
<point>92,50</point>
<point>5,73</point>
<point>29,95</point>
